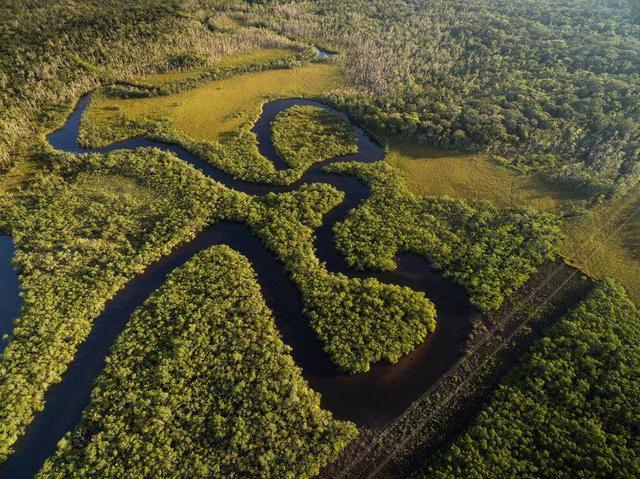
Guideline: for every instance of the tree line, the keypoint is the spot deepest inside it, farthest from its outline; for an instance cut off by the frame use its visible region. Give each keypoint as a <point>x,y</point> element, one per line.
<point>546,86</point>
<point>568,409</point>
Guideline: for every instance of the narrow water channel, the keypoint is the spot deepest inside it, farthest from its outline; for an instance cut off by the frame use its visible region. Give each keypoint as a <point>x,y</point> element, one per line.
<point>370,399</point>
<point>10,299</point>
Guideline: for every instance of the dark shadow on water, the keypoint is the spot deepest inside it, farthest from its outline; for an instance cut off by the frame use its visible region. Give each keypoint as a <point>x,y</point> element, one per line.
<point>10,299</point>
<point>369,399</point>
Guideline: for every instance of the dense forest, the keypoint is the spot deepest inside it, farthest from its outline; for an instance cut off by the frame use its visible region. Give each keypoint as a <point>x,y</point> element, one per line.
<point>488,250</point>
<point>83,230</point>
<point>200,385</point>
<point>549,85</point>
<point>568,409</point>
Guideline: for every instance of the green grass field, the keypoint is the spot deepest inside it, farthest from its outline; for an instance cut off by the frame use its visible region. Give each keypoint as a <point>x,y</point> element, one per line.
<point>431,171</point>
<point>255,57</point>
<point>219,107</point>
<point>600,254</point>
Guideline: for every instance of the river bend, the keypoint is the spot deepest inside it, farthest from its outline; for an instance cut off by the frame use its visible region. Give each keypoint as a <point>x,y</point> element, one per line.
<point>369,399</point>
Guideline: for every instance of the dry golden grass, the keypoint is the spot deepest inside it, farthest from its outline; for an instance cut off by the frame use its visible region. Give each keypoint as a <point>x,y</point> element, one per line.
<point>219,107</point>
<point>224,22</point>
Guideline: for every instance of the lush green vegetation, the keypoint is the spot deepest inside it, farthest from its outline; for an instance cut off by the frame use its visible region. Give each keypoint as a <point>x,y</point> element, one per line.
<point>52,52</point>
<point>359,321</point>
<point>568,409</point>
<point>490,251</point>
<point>545,88</point>
<point>215,121</point>
<point>82,230</point>
<point>193,74</point>
<point>304,135</point>
<point>550,85</point>
<point>200,385</point>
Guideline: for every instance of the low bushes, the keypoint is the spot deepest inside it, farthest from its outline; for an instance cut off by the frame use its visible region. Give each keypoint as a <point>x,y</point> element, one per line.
<point>304,135</point>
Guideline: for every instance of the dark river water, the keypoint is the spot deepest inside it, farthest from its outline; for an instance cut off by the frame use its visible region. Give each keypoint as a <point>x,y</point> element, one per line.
<point>322,54</point>
<point>10,299</point>
<point>370,399</point>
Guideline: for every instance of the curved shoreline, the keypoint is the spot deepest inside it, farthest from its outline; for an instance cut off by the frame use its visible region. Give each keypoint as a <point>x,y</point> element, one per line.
<point>10,299</point>
<point>370,399</point>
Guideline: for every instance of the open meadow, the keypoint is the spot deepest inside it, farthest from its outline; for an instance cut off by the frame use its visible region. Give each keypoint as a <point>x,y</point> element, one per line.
<point>211,110</point>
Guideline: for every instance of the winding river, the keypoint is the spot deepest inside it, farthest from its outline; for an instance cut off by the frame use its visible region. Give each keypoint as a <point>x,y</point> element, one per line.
<point>10,299</point>
<point>370,399</point>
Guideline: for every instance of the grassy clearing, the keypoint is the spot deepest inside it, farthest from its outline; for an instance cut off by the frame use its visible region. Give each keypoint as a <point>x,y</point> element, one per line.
<point>304,135</point>
<point>219,107</point>
<point>600,255</point>
<point>431,171</point>
<point>490,251</point>
<point>21,171</point>
<point>103,186</point>
<point>255,57</point>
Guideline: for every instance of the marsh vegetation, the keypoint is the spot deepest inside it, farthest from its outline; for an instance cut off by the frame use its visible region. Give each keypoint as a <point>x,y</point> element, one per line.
<point>510,135</point>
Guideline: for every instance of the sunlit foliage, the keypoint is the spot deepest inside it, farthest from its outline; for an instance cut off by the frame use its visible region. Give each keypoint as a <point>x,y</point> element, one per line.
<point>82,231</point>
<point>568,409</point>
<point>200,385</point>
<point>490,251</point>
<point>304,135</point>
<point>359,321</point>
<point>550,85</point>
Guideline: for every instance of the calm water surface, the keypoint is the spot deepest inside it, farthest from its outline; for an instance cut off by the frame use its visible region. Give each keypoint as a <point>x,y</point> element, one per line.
<point>370,399</point>
<point>10,299</point>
